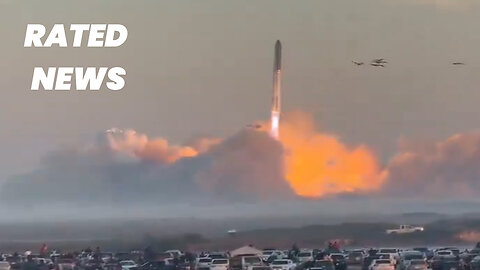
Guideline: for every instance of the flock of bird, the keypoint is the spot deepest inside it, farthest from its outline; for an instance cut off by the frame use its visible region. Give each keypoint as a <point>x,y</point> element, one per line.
<point>381,62</point>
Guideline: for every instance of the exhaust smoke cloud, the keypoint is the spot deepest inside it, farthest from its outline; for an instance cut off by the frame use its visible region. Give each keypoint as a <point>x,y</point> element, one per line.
<point>446,169</point>
<point>251,165</point>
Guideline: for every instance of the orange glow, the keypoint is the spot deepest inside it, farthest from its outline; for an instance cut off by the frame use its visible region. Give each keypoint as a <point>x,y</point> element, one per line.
<point>469,236</point>
<point>318,165</point>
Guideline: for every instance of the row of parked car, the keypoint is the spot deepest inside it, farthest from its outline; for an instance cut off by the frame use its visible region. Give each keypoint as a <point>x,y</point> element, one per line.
<point>250,258</point>
<point>447,258</point>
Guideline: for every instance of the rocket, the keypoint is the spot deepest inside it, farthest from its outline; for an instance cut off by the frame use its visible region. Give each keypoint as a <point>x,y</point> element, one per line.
<point>276,97</point>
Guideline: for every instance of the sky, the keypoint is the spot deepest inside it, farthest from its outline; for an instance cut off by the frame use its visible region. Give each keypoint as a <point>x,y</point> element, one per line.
<point>204,68</point>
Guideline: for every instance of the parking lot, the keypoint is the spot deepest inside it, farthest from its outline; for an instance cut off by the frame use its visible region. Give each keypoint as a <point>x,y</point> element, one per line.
<point>248,257</point>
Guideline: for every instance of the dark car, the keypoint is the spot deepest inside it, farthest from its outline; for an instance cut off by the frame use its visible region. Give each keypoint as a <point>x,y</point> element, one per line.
<point>261,268</point>
<point>446,263</point>
<point>339,261</point>
<point>124,256</point>
<point>475,263</point>
<point>355,257</point>
<point>451,265</point>
<point>321,255</point>
<point>15,262</point>
<point>322,265</point>
<point>428,252</point>
<point>217,255</point>
<point>467,257</point>
<point>112,266</point>
<point>153,265</point>
<point>93,265</point>
<point>272,258</point>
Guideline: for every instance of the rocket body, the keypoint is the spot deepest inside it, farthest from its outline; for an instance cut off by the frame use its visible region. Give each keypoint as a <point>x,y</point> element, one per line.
<point>276,97</point>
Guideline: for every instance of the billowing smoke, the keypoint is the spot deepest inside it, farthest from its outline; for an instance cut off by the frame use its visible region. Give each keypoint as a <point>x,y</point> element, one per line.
<point>130,167</point>
<point>246,165</point>
<point>158,149</point>
<point>314,164</point>
<point>126,166</point>
<point>445,169</point>
<point>249,164</point>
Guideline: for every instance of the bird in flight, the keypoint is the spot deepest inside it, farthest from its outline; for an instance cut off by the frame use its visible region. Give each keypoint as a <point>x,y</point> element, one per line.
<point>357,63</point>
<point>379,61</point>
<point>377,64</point>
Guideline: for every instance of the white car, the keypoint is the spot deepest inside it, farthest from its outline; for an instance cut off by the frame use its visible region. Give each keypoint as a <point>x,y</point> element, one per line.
<point>393,252</point>
<point>283,265</point>
<point>127,264</point>
<point>305,256</point>
<point>381,264</point>
<point>271,252</point>
<point>5,265</point>
<point>266,254</point>
<point>203,263</point>
<point>250,261</point>
<point>174,252</point>
<point>65,264</point>
<point>220,264</point>
<point>405,229</point>
<point>43,261</point>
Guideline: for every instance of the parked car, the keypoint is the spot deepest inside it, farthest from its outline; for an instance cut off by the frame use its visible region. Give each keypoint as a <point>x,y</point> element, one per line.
<point>355,257</point>
<point>283,265</point>
<point>65,264</point>
<point>220,264</point>
<point>451,265</point>
<point>367,261</point>
<point>450,262</point>
<point>382,264</point>
<point>444,253</point>
<point>417,265</point>
<point>248,262</point>
<point>265,267</point>
<point>407,256</point>
<point>271,254</point>
<point>174,252</point>
<point>426,251</point>
<point>5,265</point>
<point>305,256</point>
<point>203,263</point>
<point>339,261</point>
<point>467,257</point>
<point>267,254</point>
<point>127,264</point>
<point>112,266</point>
<point>153,265</point>
<point>322,265</point>
<point>475,263</point>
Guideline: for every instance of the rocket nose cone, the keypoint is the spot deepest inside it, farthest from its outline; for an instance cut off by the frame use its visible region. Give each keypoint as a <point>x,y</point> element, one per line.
<point>278,56</point>
<point>278,44</point>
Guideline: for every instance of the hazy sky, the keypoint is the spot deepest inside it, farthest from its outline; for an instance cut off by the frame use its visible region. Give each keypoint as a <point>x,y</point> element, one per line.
<point>204,68</point>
